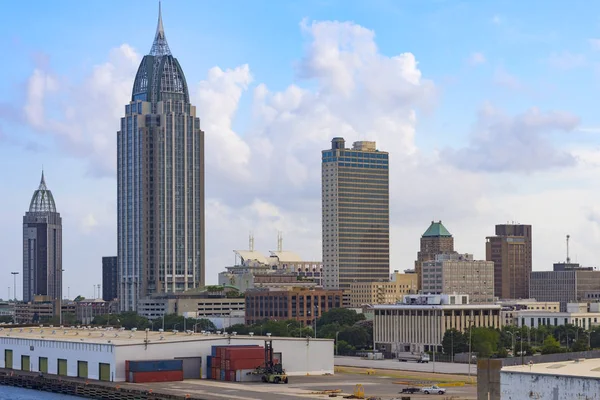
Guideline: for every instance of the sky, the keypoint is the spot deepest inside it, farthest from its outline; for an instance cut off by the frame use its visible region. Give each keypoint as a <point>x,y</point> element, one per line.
<point>486,108</point>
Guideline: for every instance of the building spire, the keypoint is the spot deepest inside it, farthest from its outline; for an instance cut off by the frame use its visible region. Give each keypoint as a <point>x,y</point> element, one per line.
<point>160,47</point>
<point>43,181</point>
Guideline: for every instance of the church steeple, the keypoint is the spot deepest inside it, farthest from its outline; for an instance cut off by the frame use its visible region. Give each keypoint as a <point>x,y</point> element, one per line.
<point>160,47</point>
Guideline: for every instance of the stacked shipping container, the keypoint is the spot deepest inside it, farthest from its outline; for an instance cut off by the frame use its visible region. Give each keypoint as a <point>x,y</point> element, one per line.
<point>154,371</point>
<point>235,363</point>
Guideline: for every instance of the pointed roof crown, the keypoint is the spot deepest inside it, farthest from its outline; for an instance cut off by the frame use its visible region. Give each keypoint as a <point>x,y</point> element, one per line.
<point>436,229</point>
<point>160,47</point>
<point>42,199</point>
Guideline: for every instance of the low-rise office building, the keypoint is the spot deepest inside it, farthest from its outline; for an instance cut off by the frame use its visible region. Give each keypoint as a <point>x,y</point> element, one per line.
<point>389,292</point>
<point>101,354</point>
<point>419,323</point>
<point>300,304</point>
<point>41,310</point>
<point>510,308</point>
<point>459,273</point>
<point>578,314</point>
<point>212,301</point>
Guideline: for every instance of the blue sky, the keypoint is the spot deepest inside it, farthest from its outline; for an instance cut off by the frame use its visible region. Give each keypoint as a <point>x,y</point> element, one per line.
<point>504,57</point>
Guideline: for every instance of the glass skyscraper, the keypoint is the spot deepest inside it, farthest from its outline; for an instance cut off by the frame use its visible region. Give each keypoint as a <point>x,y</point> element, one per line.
<point>42,247</point>
<point>355,214</point>
<point>160,168</point>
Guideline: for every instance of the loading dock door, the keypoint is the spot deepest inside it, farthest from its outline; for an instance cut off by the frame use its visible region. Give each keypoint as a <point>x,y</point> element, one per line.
<point>25,363</point>
<point>104,372</point>
<point>192,367</point>
<point>8,361</point>
<point>62,367</point>
<point>82,369</point>
<point>44,365</point>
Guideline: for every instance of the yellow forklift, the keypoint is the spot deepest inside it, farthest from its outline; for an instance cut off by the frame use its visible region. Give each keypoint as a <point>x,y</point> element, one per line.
<point>271,373</point>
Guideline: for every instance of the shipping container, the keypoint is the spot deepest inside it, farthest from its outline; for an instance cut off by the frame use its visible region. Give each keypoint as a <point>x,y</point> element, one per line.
<point>214,373</point>
<point>222,377</point>
<point>232,376</point>
<point>227,364</point>
<point>248,363</point>
<point>214,350</point>
<point>244,352</point>
<point>158,376</point>
<point>208,363</point>
<point>155,365</point>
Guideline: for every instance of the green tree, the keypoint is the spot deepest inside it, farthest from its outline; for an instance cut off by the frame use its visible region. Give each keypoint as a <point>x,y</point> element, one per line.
<point>355,336</point>
<point>79,298</point>
<point>6,318</point>
<point>551,346</point>
<point>484,341</point>
<point>341,316</point>
<point>454,342</point>
<point>580,344</point>
<point>344,348</point>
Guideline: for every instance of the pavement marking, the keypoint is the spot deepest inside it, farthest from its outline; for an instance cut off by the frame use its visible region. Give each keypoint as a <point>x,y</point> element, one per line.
<point>229,396</point>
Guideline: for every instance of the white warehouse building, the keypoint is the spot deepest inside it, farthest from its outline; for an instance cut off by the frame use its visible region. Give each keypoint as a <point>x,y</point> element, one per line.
<point>564,380</point>
<point>101,353</point>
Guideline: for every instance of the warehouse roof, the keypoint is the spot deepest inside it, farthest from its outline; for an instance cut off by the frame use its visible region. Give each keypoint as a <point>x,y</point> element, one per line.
<point>589,368</point>
<point>118,337</point>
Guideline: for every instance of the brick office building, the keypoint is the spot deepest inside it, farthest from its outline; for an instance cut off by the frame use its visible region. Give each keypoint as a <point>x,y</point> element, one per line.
<point>300,304</point>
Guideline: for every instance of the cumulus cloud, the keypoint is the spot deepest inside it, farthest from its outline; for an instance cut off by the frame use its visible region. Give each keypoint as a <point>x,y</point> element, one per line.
<point>504,79</point>
<point>566,60</point>
<point>503,143</point>
<point>83,116</point>
<point>477,58</point>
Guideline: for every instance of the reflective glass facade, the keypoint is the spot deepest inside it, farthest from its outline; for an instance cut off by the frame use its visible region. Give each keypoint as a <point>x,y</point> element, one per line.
<point>160,170</point>
<point>355,214</point>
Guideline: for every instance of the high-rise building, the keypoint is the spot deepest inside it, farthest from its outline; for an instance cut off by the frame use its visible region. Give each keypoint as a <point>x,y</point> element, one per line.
<point>436,240</point>
<point>160,170</point>
<point>355,214</point>
<point>42,247</point>
<point>459,273</point>
<point>511,251</point>
<point>110,278</point>
<point>565,286</point>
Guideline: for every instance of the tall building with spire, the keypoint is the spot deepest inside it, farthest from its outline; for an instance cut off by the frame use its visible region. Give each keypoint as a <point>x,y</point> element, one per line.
<point>42,247</point>
<point>160,169</point>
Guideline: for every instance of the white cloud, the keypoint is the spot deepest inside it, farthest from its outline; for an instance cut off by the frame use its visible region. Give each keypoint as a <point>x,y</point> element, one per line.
<point>566,60</point>
<point>477,58</point>
<point>504,79</point>
<point>84,116</point>
<point>594,44</point>
<point>502,143</point>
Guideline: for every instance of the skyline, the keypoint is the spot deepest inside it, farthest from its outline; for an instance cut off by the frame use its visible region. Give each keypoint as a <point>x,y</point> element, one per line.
<point>425,99</point>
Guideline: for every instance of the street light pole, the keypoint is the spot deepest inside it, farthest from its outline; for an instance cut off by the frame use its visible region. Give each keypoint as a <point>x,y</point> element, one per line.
<point>470,348</point>
<point>336,343</point>
<point>14,274</point>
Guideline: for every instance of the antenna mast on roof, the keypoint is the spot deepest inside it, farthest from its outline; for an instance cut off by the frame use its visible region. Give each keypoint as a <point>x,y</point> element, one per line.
<point>568,258</point>
<point>251,241</point>
<point>279,241</point>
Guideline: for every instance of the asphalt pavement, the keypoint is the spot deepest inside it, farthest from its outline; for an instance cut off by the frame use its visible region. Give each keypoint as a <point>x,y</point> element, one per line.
<point>437,367</point>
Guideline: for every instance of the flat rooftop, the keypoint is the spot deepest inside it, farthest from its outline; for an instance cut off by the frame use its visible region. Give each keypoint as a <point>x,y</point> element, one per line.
<point>588,368</point>
<point>474,306</point>
<point>120,337</point>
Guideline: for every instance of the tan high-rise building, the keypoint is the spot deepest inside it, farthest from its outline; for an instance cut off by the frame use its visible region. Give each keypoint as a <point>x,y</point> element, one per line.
<point>436,240</point>
<point>511,252</point>
<point>355,214</point>
<point>459,273</point>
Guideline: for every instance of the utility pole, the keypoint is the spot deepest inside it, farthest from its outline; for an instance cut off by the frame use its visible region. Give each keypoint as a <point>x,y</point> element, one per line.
<point>470,337</point>
<point>14,274</point>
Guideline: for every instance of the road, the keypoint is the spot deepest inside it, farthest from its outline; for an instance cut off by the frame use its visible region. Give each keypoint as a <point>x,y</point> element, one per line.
<point>440,367</point>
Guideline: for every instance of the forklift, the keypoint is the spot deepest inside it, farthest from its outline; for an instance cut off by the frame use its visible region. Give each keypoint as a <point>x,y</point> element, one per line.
<point>271,373</point>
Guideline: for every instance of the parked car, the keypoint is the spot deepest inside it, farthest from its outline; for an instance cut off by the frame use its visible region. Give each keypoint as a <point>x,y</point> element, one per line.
<point>418,357</point>
<point>433,389</point>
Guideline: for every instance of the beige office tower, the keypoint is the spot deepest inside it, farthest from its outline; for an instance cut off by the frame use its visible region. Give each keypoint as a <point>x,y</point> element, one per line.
<point>355,214</point>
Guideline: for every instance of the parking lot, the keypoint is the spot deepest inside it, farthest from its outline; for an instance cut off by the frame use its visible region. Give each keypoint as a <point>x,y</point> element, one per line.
<point>306,387</point>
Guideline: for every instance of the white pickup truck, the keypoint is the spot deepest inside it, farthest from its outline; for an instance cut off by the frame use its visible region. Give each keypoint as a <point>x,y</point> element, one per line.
<point>418,357</point>
<point>433,389</point>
